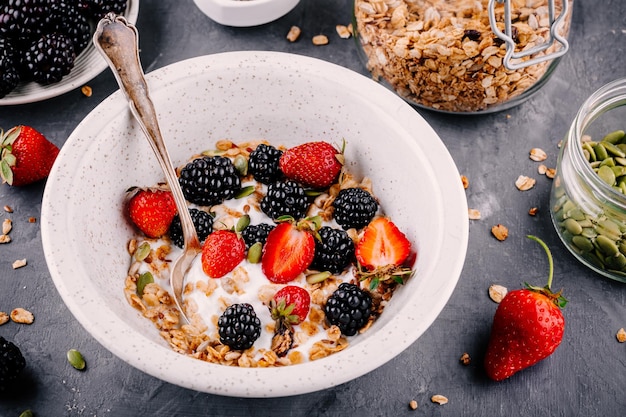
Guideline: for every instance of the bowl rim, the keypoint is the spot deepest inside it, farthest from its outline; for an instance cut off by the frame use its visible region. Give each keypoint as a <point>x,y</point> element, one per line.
<point>102,326</point>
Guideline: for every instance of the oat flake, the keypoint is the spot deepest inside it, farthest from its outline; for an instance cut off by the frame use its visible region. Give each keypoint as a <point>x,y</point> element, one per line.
<point>538,154</point>
<point>621,335</point>
<point>497,292</point>
<point>524,183</point>
<point>439,399</point>
<point>473,214</point>
<point>4,317</point>
<point>22,316</point>
<point>500,232</point>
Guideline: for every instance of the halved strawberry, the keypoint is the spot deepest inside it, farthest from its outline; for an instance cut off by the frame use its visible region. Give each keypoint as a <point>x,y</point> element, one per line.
<point>288,252</point>
<point>152,211</point>
<point>222,251</point>
<point>382,245</point>
<point>312,164</point>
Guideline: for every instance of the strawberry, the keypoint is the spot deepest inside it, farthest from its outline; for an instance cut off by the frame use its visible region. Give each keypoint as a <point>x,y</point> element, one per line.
<point>527,327</point>
<point>26,156</point>
<point>382,245</point>
<point>222,251</point>
<point>312,164</point>
<point>288,251</point>
<point>289,306</point>
<point>152,211</point>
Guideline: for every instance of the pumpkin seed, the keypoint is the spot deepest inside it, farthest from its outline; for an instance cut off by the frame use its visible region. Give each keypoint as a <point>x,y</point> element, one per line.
<point>607,246</point>
<point>613,149</point>
<point>255,252</point>
<point>27,413</point>
<point>582,243</point>
<point>244,192</point>
<point>572,226</point>
<point>143,251</point>
<point>614,136</point>
<point>606,174</point>
<point>144,279</point>
<point>75,358</point>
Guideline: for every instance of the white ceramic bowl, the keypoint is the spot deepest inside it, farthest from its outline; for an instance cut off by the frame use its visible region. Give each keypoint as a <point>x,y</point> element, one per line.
<point>287,99</point>
<point>245,13</point>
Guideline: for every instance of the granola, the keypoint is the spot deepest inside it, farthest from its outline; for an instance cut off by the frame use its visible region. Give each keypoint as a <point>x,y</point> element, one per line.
<point>443,54</point>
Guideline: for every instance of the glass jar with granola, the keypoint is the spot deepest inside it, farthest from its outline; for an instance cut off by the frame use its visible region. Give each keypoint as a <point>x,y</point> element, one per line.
<point>462,56</point>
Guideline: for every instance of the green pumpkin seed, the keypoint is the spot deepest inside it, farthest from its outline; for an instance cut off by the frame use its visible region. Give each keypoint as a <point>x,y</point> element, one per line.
<point>244,192</point>
<point>144,279</point>
<point>607,246</point>
<point>255,253</point>
<point>609,162</point>
<point>589,232</point>
<point>582,243</point>
<point>600,151</point>
<point>592,154</point>
<point>613,150</point>
<point>572,226</point>
<point>142,251</point>
<point>75,358</point>
<point>242,223</point>
<point>27,413</point>
<point>319,277</point>
<point>606,174</point>
<point>241,165</point>
<point>614,137</point>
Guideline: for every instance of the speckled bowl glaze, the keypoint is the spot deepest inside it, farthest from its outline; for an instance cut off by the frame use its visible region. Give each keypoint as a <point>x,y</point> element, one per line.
<point>286,99</point>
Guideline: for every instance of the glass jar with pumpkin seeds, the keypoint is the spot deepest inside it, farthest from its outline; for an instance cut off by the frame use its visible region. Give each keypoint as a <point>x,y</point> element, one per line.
<point>588,198</point>
<point>462,56</point>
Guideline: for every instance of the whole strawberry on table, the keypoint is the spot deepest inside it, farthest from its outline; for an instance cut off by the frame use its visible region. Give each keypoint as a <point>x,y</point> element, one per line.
<point>26,156</point>
<point>527,327</point>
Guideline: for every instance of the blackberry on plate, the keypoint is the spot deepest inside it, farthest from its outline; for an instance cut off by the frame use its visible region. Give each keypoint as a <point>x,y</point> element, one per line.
<point>239,327</point>
<point>256,233</point>
<point>65,18</point>
<point>263,164</point>
<point>9,73</point>
<point>11,363</point>
<point>354,208</point>
<point>284,199</point>
<point>21,20</point>
<point>334,252</point>
<point>349,308</point>
<point>98,8</point>
<point>209,180</point>
<point>49,58</point>
<point>202,221</point>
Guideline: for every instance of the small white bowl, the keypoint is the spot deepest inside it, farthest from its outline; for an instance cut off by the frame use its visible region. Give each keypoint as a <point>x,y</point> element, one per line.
<point>244,13</point>
<point>286,99</point>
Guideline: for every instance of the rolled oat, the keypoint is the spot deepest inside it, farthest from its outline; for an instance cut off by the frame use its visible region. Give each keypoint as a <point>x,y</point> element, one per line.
<point>22,316</point>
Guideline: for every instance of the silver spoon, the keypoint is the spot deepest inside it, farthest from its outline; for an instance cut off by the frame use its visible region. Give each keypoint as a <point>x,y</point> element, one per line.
<point>118,41</point>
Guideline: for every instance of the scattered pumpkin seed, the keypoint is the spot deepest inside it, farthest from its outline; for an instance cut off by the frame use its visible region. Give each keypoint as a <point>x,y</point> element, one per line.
<point>241,165</point>
<point>144,279</point>
<point>142,251</point>
<point>255,252</point>
<point>242,223</point>
<point>27,413</point>
<point>319,277</point>
<point>244,192</point>
<point>75,358</point>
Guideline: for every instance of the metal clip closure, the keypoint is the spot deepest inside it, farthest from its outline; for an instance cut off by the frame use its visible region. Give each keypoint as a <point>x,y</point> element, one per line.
<point>506,36</point>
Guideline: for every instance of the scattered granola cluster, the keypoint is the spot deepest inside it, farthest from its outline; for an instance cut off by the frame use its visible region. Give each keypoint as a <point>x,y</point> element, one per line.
<point>443,54</point>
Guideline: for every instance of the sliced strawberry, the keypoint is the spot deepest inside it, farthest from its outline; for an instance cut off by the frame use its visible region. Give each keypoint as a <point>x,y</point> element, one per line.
<point>382,245</point>
<point>291,303</point>
<point>26,156</point>
<point>152,211</point>
<point>222,251</point>
<point>312,164</point>
<point>287,253</point>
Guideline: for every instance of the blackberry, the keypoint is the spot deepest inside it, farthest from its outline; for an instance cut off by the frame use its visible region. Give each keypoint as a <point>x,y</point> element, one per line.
<point>354,208</point>
<point>349,308</point>
<point>284,199</point>
<point>22,20</point>
<point>209,180</point>
<point>49,58</point>
<point>202,220</point>
<point>334,252</point>
<point>256,233</point>
<point>65,18</point>
<point>263,164</point>
<point>11,363</point>
<point>98,8</point>
<point>9,73</point>
<point>239,327</point>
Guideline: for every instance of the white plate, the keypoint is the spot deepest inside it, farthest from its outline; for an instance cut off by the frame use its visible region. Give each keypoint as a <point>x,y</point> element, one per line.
<point>86,67</point>
<point>287,99</point>
<point>245,13</point>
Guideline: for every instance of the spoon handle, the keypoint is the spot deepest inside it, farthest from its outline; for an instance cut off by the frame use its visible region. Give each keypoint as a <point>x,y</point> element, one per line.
<point>118,41</point>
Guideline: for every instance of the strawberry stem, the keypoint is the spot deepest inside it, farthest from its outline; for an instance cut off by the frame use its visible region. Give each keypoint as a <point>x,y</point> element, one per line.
<point>550,262</point>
